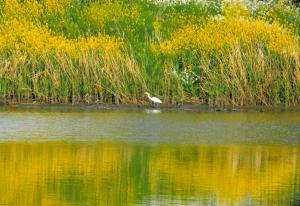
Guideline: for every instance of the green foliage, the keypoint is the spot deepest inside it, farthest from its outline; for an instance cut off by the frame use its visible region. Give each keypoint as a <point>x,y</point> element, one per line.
<point>283,11</point>
<point>41,59</point>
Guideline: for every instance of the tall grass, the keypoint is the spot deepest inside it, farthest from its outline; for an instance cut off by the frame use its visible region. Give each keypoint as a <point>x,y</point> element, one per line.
<point>210,52</point>
<point>234,61</point>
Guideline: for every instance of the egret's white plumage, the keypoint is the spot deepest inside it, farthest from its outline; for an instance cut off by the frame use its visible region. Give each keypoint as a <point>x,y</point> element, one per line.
<point>154,100</point>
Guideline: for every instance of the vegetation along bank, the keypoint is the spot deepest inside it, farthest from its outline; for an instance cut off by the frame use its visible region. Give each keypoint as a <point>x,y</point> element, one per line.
<point>100,51</point>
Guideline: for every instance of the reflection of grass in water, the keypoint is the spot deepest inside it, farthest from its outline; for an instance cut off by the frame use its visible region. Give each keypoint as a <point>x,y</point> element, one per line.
<point>72,188</point>
<point>55,173</point>
<point>295,200</point>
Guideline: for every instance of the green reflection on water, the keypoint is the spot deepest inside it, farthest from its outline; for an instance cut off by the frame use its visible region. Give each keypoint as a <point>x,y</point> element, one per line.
<point>117,173</point>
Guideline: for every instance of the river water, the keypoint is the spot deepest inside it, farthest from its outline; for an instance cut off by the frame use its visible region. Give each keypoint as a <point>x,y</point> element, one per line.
<point>148,157</point>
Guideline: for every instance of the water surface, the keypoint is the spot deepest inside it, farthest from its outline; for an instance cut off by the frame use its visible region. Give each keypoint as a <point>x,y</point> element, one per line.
<point>148,157</point>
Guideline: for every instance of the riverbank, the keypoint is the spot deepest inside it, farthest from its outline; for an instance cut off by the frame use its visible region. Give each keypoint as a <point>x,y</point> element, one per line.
<point>215,53</point>
<point>146,107</point>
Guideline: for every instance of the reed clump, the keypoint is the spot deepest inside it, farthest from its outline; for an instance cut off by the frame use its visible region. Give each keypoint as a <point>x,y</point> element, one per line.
<point>237,61</point>
<point>37,65</point>
<point>211,52</point>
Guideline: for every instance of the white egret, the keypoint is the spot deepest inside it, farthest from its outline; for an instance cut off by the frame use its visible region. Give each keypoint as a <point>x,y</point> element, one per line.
<point>153,100</point>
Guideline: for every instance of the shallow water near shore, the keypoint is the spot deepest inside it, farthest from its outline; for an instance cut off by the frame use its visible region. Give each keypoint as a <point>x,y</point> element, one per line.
<point>148,156</point>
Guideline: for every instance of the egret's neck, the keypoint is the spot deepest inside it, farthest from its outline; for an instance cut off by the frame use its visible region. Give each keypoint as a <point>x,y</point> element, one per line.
<point>149,97</point>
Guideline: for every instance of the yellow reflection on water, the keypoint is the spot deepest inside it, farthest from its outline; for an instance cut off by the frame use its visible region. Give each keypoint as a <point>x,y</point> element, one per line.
<point>115,173</point>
